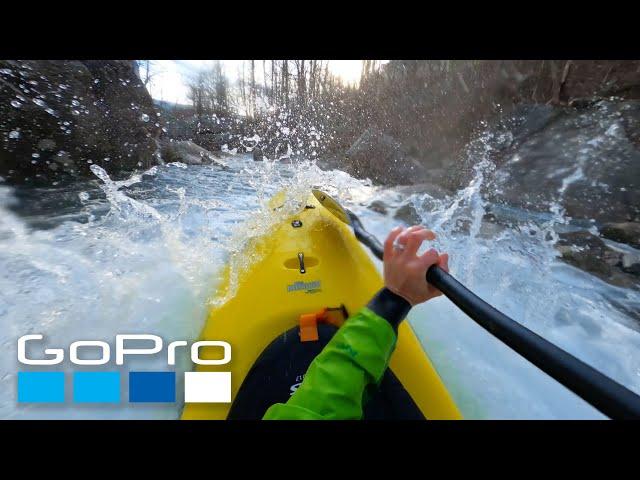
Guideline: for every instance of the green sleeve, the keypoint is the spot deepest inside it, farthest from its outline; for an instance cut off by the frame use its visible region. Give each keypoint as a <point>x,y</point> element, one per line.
<point>336,383</point>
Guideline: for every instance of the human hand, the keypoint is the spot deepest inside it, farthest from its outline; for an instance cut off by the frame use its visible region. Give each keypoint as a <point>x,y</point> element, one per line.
<point>405,271</point>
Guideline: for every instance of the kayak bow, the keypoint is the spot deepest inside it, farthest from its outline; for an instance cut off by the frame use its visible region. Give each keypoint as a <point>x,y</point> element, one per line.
<point>309,262</point>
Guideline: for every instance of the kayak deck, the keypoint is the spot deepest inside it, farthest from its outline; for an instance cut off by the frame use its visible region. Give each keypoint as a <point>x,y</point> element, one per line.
<point>268,298</point>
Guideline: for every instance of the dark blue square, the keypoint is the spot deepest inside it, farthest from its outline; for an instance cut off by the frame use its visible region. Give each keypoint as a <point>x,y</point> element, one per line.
<point>152,386</point>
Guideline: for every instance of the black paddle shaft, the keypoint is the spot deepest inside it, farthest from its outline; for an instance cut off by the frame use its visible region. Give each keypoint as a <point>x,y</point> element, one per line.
<point>606,395</point>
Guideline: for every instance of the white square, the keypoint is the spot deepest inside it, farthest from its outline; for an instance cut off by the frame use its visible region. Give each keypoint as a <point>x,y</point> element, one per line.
<point>207,387</point>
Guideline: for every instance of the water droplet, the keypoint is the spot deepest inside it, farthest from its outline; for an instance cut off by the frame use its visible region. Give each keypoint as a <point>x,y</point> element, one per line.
<point>75,103</point>
<point>145,117</point>
<point>84,196</point>
<point>14,134</point>
<point>35,155</point>
<point>75,112</point>
<point>39,102</point>
<point>15,104</point>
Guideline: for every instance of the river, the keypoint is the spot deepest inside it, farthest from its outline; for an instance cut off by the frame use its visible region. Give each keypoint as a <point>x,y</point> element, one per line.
<point>98,257</point>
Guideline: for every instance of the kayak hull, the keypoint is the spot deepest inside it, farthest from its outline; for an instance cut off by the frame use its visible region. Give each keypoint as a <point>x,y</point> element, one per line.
<point>254,305</point>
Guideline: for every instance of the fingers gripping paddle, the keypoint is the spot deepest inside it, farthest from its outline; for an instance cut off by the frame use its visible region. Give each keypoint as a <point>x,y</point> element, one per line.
<point>603,393</point>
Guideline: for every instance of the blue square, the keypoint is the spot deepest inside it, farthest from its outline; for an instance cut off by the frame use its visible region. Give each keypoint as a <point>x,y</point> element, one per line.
<point>41,387</point>
<point>96,387</point>
<point>152,386</point>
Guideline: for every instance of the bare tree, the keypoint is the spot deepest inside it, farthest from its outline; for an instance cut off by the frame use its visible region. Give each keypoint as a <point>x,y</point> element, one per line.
<point>252,89</point>
<point>242,87</point>
<point>265,85</point>
<point>312,78</point>
<point>274,83</point>
<point>208,91</point>
<point>301,81</point>
<point>285,83</point>
<point>144,70</point>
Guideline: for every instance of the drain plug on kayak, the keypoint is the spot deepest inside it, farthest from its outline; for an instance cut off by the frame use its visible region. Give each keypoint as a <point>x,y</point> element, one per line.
<point>296,224</point>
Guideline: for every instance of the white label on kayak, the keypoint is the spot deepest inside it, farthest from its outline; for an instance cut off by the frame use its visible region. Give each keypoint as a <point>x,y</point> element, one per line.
<point>308,287</point>
<point>295,386</point>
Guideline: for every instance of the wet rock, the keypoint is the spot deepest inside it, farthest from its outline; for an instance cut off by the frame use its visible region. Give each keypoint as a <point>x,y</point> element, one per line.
<point>408,214</point>
<point>630,119</point>
<point>631,263</point>
<point>188,153</point>
<point>47,144</point>
<point>330,162</point>
<point>624,232</point>
<point>257,154</point>
<point>582,160</point>
<point>378,206</point>
<point>383,159</point>
<point>589,253</point>
<point>437,106</point>
<point>432,189</point>
<point>582,103</point>
<point>490,227</point>
<point>97,110</point>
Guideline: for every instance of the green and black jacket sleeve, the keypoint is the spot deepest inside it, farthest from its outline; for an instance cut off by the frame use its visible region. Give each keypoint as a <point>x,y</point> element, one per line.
<point>336,383</point>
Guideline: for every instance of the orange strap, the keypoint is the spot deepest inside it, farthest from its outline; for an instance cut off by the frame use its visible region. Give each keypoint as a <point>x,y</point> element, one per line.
<point>309,327</point>
<point>309,322</point>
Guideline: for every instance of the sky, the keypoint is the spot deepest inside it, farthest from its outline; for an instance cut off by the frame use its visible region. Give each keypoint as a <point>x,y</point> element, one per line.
<point>168,81</point>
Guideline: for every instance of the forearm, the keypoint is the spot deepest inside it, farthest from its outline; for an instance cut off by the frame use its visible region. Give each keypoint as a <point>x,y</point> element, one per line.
<point>356,357</point>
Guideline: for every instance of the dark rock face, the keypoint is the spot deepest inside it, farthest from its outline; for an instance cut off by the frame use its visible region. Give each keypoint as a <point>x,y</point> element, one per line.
<point>59,117</point>
<point>588,252</point>
<point>431,188</point>
<point>378,206</point>
<point>435,108</point>
<point>383,159</point>
<point>408,214</point>
<point>625,232</point>
<point>188,153</point>
<point>583,160</point>
<point>257,154</point>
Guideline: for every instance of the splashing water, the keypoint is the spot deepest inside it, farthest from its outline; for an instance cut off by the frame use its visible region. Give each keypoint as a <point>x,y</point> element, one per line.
<point>133,256</point>
<point>518,270</point>
<point>142,256</point>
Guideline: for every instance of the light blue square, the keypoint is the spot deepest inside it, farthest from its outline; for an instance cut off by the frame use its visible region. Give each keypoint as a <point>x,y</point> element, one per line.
<point>96,387</point>
<point>41,387</point>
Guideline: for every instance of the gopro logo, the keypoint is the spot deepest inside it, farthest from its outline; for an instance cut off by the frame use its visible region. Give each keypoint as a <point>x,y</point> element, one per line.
<point>104,386</point>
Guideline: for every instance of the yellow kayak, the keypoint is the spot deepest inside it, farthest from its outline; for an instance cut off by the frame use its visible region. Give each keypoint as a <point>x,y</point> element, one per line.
<point>309,263</point>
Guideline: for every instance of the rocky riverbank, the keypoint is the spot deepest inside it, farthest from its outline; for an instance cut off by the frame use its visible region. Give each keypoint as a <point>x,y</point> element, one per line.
<point>429,111</point>
<point>57,118</point>
<point>562,137</point>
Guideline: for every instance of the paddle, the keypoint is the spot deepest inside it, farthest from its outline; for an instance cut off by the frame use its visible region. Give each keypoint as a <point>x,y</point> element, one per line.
<point>606,395</point>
